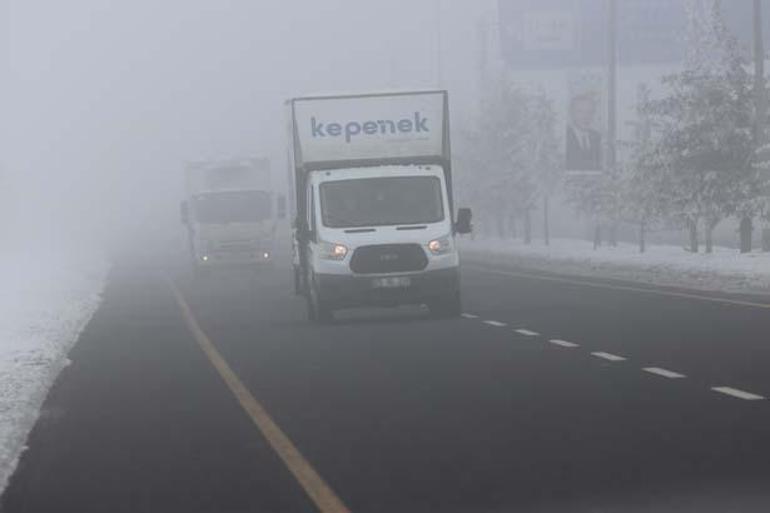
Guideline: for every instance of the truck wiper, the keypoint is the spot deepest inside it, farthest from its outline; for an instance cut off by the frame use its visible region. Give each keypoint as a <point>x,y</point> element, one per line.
<point>418,227</point>
<point>360,230</point>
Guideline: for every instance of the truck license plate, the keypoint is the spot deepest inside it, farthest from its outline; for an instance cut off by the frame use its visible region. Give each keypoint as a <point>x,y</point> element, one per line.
<point>392,282</point>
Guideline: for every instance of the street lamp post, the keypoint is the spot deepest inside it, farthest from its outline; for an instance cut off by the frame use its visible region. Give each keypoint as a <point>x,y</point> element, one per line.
<point>760,106</point>
<point>438,57</point>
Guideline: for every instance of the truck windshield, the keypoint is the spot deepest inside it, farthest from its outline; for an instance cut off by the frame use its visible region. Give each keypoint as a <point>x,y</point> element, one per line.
<point>382,201</point>
<point>232,207</point>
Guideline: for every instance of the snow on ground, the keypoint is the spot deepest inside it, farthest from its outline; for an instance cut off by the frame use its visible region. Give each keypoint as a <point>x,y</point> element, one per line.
<point>44,305</point>
<point>724,270</point>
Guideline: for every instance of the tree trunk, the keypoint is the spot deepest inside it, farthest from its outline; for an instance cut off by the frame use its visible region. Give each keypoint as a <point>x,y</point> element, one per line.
<point>710,225</point>
<point>597,236</point>
<point>642,237</point>
<point>709,238</point>
<point>512,226</point>
<point>500,224</point>
<point>692,226</point>
<point>546,222</point>
<point>746,229</point>
<point>527,227</point>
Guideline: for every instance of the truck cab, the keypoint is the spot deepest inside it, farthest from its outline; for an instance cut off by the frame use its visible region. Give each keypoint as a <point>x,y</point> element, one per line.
<point>231,215</point>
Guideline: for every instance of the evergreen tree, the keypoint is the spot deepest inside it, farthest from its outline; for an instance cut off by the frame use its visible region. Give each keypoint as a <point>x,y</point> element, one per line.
<point>513,156</point>
<point>705,147</point>
<point>646,193</point>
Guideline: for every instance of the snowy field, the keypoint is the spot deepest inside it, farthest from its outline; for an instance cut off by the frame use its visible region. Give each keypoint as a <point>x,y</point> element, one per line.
<point>44,305</point>
<point>724,270</point>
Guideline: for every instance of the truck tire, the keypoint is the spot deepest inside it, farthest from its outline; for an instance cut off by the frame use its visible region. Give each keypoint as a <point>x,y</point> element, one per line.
<point>298,288</point>
<point>449,307</point>
<point>318,309</point>
<point>311,312</point>
<point>324,314</point>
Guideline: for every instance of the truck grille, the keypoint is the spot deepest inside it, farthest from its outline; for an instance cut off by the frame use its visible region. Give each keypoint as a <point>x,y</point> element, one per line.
<point>388,258</point>
<point>237,246</point>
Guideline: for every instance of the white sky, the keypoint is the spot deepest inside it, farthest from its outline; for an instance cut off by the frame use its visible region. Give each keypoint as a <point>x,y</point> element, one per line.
<point>109,97</point>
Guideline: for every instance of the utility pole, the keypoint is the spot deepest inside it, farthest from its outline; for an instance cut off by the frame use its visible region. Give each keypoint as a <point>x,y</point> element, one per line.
<point>760,106</point>
<point>612,71</point>
<point>546,221</point>
<point>760,97</point>
<point>482,35</point>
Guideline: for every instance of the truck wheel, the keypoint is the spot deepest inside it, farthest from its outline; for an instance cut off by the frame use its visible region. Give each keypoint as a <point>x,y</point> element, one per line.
<point>297,281</point>
<point>311,312</point>
<point>318,310</point>
<point>446,307</point>
<point>324,314</point>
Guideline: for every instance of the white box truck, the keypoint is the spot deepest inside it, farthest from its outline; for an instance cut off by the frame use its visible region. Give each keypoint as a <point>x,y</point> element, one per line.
<point>373,204</point>
<point>231,213</point>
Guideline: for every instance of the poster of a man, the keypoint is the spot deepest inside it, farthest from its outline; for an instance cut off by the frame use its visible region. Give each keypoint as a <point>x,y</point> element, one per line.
<point>584,140</point>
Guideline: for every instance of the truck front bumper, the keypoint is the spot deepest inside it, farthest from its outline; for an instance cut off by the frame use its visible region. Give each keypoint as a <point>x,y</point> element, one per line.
<point>225,259</point>
<point>347,291</point>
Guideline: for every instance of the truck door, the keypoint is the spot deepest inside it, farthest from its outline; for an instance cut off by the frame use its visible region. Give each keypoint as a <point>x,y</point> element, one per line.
<point>311,222</point>
<point>307,233</point>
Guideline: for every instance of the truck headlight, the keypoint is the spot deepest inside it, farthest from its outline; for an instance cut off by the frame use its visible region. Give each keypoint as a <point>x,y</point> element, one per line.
<point>440,246</point>
<point>333,251</point>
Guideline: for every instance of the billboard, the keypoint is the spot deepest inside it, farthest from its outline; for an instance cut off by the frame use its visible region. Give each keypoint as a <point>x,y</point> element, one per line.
<point>538,34</point>
<point>585,131</point>
<point>355,128</point>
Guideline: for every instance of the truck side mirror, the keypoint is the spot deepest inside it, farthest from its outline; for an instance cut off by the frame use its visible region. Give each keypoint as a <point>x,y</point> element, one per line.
<point>308,234</point>
<point>281,206</point>
<point>464,218</point>
<point>301,231</point>
<point>184,212</point>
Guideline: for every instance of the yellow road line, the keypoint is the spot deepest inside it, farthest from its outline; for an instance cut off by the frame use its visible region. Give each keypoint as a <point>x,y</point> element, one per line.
<point>315,487</point>
<point>626,288</point>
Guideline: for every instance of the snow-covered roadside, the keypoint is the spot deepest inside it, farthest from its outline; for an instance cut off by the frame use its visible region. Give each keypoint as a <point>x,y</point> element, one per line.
<point>44,305</point>
<point>724,270</point>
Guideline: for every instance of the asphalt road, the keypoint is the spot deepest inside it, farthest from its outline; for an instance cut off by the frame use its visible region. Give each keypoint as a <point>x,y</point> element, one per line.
<point>537,401</point>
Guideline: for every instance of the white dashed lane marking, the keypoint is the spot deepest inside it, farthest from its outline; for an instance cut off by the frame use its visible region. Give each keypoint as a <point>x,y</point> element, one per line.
<point>608,356</point>
<point>658,371</point>
<point>562,343</point>
<point>663,372</point>
<point>740,394</point>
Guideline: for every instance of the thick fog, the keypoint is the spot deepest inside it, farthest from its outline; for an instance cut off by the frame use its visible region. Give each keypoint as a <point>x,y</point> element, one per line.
<point>108,98</point>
